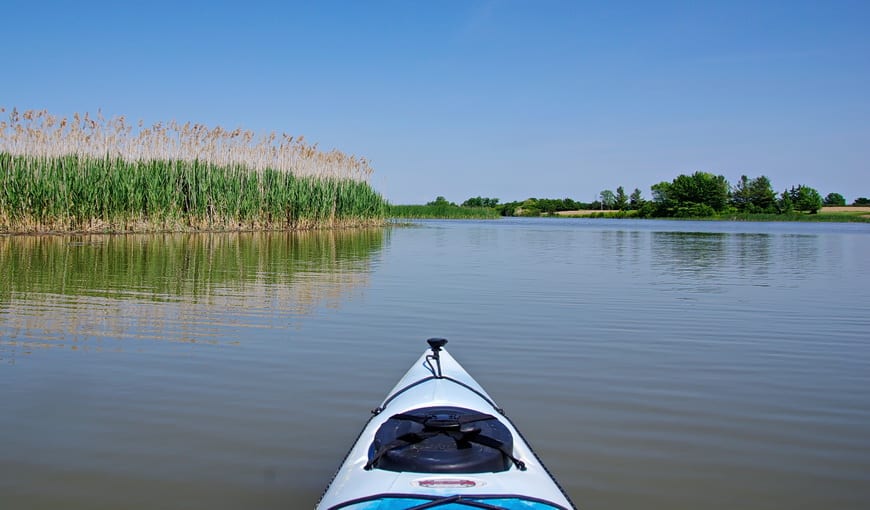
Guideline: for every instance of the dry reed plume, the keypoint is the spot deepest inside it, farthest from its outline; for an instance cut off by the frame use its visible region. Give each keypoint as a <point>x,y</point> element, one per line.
<point>40,134</point>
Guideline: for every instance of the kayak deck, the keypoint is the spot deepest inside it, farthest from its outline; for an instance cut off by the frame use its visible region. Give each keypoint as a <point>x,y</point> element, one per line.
<point>431,428</point>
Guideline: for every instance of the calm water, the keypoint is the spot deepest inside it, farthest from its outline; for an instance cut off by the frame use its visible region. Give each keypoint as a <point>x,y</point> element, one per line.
<point>652,364</point>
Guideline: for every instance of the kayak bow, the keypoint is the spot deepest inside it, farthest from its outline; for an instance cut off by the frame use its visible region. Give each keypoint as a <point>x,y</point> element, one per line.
<point>438,440</point>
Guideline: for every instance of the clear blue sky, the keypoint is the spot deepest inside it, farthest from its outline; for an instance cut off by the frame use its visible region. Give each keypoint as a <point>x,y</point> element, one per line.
<point>509,99</point>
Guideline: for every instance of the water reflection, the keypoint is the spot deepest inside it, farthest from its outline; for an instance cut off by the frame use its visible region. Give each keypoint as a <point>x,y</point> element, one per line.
<point>706,262</point>
<point>90,291</point>
<point>623,246</point>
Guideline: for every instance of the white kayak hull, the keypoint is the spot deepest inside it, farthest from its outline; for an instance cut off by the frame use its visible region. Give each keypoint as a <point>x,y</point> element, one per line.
<point>358,485</point>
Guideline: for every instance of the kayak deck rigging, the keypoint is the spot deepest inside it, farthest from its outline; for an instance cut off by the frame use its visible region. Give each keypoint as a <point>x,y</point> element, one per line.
<point>436,345</point>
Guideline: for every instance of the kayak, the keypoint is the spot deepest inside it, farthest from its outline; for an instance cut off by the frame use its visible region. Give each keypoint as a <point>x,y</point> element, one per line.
<point>438,440</point>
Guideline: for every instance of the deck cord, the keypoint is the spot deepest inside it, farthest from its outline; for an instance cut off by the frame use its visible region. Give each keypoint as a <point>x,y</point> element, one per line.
<point>488,400</point>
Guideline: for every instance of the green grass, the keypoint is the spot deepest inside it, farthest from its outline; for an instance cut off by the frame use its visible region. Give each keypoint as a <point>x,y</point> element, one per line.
<point>79,193</point>
<point>441,212</point>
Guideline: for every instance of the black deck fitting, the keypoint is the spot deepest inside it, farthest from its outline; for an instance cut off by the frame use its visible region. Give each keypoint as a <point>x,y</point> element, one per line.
<point>436,343</point>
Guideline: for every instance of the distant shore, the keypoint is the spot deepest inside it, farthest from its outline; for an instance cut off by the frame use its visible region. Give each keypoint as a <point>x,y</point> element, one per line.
<point>860,214</point>
<point>827,209</point>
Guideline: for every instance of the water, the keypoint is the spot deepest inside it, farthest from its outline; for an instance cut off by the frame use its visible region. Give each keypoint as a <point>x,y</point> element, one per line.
<point>651,364</point>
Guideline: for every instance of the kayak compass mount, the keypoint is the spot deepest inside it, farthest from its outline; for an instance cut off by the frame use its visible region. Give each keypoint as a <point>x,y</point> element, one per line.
<point>436,344</point>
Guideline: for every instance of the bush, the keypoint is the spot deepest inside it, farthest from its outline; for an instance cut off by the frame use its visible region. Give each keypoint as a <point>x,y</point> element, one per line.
<point>834,199</point>
<point>691,210</point>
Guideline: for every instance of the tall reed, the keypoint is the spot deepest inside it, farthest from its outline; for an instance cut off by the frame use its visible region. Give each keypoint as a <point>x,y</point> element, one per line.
<point>94,174</point>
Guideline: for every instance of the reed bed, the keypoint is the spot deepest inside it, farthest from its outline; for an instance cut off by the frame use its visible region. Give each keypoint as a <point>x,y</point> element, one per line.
<point>97,175</point>
<point>441,212</point>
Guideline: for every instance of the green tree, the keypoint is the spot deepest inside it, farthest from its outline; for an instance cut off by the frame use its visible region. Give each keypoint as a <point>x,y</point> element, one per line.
<point>753,195</point>
<point>740,194</point>
<point>861,201</point>
<point>785,204</point>
<point>636,200</point>
<point>441,201</point>
<point>549,205</point>
<point>835,199</point>
<point>661,204</point>
<point>806,199</point>
<point>570,205</point>
<point>699,194</point>
<point>608,199</point>
<point>661,192</point>
<point>761,195</point>
<point>529,207</point>
<point>480,202</point>
<point>621,199</point>
<point>508,208</point>
<point>700,188</point>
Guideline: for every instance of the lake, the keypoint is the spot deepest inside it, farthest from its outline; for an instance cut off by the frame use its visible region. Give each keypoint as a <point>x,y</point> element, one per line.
<point>653,364</point>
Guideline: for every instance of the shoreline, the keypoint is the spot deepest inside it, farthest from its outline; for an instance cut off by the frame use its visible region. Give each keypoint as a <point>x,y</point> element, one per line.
<point>106,230</point>
<point>827,214</point>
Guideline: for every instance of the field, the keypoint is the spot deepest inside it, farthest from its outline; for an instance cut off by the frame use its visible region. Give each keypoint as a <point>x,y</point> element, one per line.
<point>846,209</point>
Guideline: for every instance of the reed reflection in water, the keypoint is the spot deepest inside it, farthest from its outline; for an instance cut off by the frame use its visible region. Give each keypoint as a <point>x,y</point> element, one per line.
<point>95,292</point>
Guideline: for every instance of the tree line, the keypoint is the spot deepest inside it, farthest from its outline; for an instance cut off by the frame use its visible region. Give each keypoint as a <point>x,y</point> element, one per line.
<point>698,195</point>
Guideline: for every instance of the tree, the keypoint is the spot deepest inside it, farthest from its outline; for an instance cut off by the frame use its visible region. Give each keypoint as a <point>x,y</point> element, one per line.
<point>661,204</point>
<point>661,192</point>
<point>861,201</point>
<point>636,200</point>
<point>441,202</point>
<point>806,199</point>
<point>834,199</point>
<point>785,204</point>
<point>508,209</point>
<point>608,199</point>
<point>740,194</point>
<point>700,188</point>
<point>621,201</point>
<point>699,194</point>
<point>529,207</point>
<point>753,195</point>
<point>480,202</point>
<point>800,198</point>
<point>761,195</point>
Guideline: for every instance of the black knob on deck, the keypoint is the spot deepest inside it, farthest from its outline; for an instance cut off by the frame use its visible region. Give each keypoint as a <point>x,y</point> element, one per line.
<point>436,343</point>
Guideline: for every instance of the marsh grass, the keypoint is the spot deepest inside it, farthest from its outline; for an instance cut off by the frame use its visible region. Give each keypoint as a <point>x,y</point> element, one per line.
<point>96,175</point>
<point>441,212</point>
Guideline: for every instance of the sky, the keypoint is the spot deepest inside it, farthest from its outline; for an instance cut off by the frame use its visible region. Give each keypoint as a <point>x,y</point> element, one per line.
<point>507,99</point>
